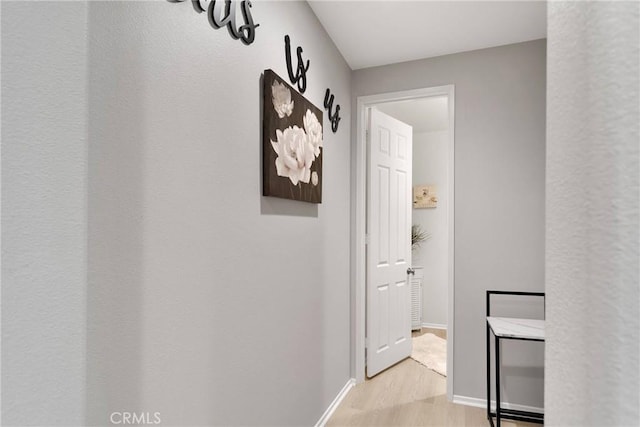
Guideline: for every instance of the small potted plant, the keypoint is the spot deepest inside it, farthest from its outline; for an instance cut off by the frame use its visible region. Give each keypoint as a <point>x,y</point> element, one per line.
<point>418,235</point>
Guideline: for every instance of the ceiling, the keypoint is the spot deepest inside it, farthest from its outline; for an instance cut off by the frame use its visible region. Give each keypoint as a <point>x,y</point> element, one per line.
<point>424,114</point>
<point>369,33</point>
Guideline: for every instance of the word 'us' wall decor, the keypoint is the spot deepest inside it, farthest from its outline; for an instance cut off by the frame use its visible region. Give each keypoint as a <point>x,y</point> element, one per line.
<point>328,105</point>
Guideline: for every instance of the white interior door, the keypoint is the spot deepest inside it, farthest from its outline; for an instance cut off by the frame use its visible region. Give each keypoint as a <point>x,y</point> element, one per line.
<point>389,242</point>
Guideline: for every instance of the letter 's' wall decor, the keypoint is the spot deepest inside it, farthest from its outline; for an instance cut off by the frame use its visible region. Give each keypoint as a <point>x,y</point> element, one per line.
<point>291,143</point>
<point>300,76</point>
<point>219,18</point>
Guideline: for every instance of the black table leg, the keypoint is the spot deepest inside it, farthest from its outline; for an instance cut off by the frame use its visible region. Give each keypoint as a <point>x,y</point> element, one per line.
<point>497,356</point>
<point>489,374</point>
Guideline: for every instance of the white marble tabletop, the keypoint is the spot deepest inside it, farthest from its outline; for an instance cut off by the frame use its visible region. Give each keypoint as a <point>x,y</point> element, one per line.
<point>508,327</point>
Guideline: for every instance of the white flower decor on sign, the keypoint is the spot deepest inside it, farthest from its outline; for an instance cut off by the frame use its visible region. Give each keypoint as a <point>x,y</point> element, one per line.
<point>295,154</point>
<point>281,98</point>
<point>314,131</point>
<point>292,146</point>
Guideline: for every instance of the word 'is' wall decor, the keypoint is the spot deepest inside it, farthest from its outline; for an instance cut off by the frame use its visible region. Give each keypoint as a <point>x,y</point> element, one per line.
<point>300,76</point>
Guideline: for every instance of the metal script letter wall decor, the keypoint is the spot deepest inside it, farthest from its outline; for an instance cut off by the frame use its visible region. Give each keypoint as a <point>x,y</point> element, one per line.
<point>218,19</point>
<point>328,105</point>
<point>300,76</point>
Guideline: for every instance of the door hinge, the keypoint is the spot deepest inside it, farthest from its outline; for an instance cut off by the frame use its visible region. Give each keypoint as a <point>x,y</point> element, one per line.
<point>367,239</point>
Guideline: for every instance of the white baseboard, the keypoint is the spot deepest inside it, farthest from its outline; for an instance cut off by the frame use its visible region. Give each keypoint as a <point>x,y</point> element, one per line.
<point>336,402</point>
<point>482,403</point>
<point>434,326</point>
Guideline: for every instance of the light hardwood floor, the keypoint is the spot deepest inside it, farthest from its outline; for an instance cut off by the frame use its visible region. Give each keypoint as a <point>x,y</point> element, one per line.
<point>408,394</point>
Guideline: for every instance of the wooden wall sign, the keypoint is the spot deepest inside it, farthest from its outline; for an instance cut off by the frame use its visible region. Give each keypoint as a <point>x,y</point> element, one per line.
<point>425,196</point>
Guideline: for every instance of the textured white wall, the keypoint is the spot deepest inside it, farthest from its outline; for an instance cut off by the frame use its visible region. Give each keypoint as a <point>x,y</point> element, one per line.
<point>592,256</point>
<point>44,212</point>
<point>499,192</point>
<point>202,297</point>
<point>205,298</point>
<point>430,166</point>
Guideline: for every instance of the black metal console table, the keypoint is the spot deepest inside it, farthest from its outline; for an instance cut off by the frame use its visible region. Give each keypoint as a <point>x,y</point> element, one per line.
<point>514,329</point>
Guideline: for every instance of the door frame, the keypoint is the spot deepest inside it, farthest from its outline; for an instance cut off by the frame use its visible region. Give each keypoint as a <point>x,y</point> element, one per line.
<point>359,235</point>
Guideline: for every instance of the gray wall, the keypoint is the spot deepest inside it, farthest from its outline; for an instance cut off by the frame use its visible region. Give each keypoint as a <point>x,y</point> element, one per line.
<point>203,298</point>
<point>499,193</point>
<point>592,359</point>
<point>44,212</point>
<point>430,166</point>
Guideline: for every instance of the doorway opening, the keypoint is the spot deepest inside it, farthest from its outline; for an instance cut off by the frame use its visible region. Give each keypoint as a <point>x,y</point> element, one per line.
<point>407,106</point>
